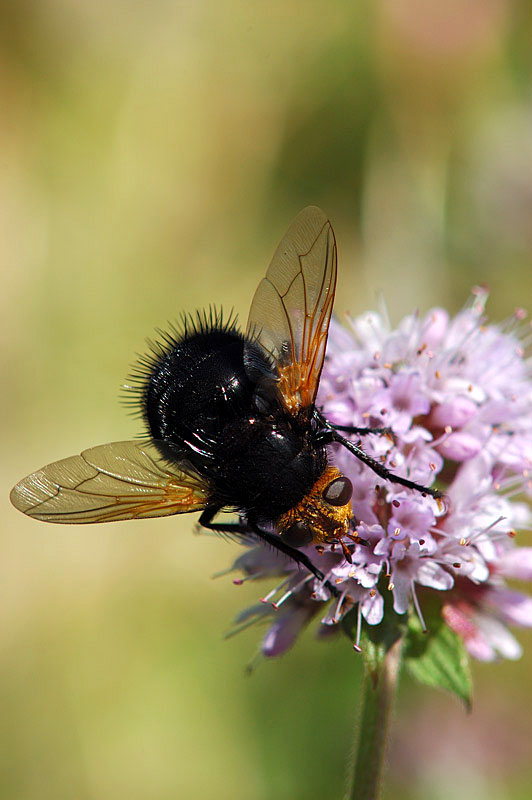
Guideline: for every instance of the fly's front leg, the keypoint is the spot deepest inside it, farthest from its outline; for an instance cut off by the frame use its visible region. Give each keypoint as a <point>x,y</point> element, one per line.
<point>328,436</point>
<point>380,431</point>
<point>360,431</point>
<point>270,538</point>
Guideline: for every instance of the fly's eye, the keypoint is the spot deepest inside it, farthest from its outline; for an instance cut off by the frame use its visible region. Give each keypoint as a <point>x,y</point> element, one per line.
<point>298,534</point>
<point>338,492</point>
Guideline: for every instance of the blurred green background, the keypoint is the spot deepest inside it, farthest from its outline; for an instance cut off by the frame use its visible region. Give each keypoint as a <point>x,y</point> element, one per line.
<point>152,155</point>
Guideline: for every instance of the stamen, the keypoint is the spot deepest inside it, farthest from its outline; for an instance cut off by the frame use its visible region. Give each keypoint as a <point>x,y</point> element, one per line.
<point>277,589</point>
<point>245,578</point>
<point>339,604</point>
<point>356,645</point>
<point>252,665</point>
<point>478,534</point>
<point>293,590</point>
<point>241,626</point>
<point>324,581</point>
<point>511,483</point>
<point>418,607</point>
<point>518,490</point>
<point>223,572</point>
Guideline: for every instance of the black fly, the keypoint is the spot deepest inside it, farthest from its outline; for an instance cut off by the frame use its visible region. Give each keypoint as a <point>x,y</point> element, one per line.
<point>231,421</point>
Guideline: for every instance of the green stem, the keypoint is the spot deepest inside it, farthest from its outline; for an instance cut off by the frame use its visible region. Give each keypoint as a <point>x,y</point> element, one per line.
<point>378,693</point>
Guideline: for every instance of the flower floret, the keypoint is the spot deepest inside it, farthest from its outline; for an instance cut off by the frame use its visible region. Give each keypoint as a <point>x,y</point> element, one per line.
<point>457,396</point>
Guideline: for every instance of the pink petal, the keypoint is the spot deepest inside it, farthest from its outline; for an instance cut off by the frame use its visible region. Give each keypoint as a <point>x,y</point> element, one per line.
<point>284,631</point>
<point>499,637</point>
<point>462,624</point>
<point>435,327</point>
<point>372,608</point>
<point>401,591</point>
<point>460,446</point>
<point>431,574</point>
<point>454,413</point>
<point>516,563</point>
<point>514,608</point>
<point>478,647</point>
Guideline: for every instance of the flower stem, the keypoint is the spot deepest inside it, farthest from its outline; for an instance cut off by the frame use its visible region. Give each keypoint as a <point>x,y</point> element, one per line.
<point>378,693</point>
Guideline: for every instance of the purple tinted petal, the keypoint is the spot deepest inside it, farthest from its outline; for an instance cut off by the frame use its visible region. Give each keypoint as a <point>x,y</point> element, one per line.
<point>370,330</point>
<point>407,394</point>
<point>434,327</point>
<point>455,413</point>
<point>460,446</point>
<point>372,608</point>
<point>399,551</point>
<point>514,608</point>
<point>339,338</point>
<point>499,637</point>
<point>382,548</point>
<point>284,631</point>
<point>479,647</point>
<point>412,516</point>
<point>431,574</point>
<point>464,624</point>
<point>475,566</point>
<point>458,385</point>
<point>427,375</point>
<point>517,564</point>
<point>401,591</point>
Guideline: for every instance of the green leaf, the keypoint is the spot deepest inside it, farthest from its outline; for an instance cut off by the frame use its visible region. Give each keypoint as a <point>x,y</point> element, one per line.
<point>437,657</point>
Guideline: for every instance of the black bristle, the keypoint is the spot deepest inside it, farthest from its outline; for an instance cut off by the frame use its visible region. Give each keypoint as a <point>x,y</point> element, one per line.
<point>133,392</point>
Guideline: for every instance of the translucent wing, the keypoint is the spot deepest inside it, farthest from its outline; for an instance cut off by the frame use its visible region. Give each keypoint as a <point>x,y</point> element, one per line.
<point>292,306</point>
<point>121,480</point>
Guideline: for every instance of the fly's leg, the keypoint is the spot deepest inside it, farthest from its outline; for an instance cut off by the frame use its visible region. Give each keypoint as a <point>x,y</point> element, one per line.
<point>363,431</point>
<point>329,435</point>
<point>270,538</point>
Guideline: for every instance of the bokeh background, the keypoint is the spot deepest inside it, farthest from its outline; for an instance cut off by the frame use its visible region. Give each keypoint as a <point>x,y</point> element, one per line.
<point>152,154</point>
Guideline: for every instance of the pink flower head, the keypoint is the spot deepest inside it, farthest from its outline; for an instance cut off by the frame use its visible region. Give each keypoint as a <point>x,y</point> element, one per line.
<point>457,394</point>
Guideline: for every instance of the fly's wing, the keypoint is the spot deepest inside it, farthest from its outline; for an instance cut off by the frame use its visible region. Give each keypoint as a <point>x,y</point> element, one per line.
<point>291,309</point>
<point>117,481</point>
